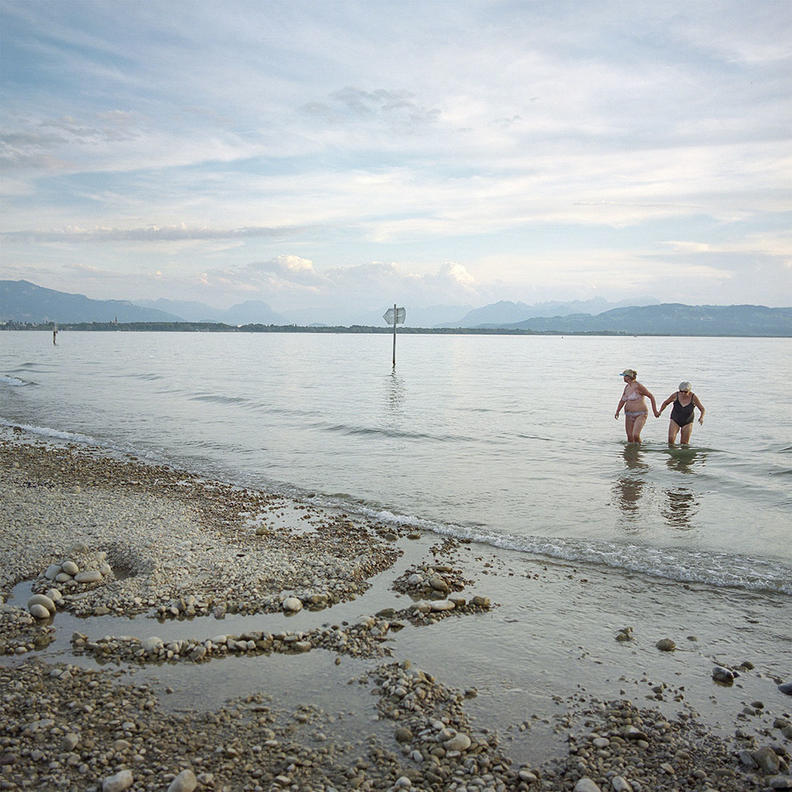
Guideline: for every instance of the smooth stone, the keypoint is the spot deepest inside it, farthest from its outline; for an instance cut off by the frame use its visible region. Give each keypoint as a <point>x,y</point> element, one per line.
<point>39,611</point>
<point>55,595</point>
<point>40,599</point>
<point>70,568</point>
<point>70,741</point>
<point>118,782</point>
<point>620,784</point>
<point>292,604</point>
<point>441,605</point>
<point>601,742</point>
<point>665,645</point>
<point>105,569</point>
<point>403,734</point>
<point>63,577</point>
<point>89,576</point>
<point>52,571</point>
<point>723,675</point>
<point>786,688</point>
<point>586,785</point>
<point>198,653</point>
<point>151,644</point>
<point>438,583</point>
<point>480,602</point>
<point>781,782</point>
<point>459,742</point>
<point>184,782</point>
<point>767,759</point>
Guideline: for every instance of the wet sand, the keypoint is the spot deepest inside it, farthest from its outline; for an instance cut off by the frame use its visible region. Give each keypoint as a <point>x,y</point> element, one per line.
<point>376,682</point>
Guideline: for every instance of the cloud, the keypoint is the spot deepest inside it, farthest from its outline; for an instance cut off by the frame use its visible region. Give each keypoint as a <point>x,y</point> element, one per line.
<point>356,104</point>
<point>148,234</point>
<point>505,138</point>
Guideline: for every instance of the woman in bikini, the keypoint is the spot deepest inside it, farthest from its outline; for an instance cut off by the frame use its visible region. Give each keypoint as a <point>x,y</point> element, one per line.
<point>682,416</point>
<point>635,409</point>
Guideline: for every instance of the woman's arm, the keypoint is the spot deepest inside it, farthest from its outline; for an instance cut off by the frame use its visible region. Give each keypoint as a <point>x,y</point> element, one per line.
<point>644,391</point>
<point>701,408</point>
<point>620,405</point>
<point>667,402</point>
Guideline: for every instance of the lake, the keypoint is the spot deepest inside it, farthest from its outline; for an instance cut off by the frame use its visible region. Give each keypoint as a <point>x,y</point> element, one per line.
<point>508,440</point>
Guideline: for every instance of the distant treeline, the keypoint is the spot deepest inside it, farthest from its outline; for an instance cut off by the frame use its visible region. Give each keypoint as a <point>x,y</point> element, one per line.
<point>214,327</point>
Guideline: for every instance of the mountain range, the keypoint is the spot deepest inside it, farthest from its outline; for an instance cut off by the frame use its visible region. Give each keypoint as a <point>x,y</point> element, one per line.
<point>22,301</point>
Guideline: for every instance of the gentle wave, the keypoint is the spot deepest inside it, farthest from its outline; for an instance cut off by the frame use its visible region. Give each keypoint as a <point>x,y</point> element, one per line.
<point>670,563</point>
<point>45,431</point>
<point>384,431</point>
<point>14,382</point>
<point>218,399</point>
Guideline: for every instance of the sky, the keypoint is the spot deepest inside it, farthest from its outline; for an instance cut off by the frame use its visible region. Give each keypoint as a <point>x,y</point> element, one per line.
<point>337,157</point>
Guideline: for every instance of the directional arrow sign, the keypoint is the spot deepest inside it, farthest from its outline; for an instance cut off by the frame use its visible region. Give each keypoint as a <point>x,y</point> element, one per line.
<point>400,315</point>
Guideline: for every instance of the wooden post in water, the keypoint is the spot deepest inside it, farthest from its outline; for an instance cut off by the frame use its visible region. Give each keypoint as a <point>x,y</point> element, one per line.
<point>394,316</point>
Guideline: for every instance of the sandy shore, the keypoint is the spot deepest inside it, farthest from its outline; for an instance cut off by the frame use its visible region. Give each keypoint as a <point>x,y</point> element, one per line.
<point>327,698</point>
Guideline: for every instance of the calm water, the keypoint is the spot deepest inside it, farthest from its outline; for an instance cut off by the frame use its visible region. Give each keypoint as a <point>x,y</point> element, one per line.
<point>507,440</point>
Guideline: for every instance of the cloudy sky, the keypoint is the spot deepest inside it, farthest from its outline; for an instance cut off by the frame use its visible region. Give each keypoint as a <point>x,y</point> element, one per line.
<point>314,154</point>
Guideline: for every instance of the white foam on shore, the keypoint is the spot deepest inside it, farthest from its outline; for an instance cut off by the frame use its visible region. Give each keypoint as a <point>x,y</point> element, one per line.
<point>678,564</point>
<point>671,563</point>
<point>48,433</point>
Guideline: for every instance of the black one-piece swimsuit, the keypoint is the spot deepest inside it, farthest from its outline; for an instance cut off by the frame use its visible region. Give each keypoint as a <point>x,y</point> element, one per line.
<point>681,415</point>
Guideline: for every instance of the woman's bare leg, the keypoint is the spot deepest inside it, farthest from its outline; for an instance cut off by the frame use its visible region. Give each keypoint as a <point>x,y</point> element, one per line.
<point>673,431</point>
<point>633,426</point>
<point>687,430</point>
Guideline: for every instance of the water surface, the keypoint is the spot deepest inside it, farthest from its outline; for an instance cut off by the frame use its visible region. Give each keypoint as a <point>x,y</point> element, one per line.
<point>507,440</point>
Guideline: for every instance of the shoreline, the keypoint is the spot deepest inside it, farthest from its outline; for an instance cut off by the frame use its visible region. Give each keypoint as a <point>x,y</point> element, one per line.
<point>211,558</point>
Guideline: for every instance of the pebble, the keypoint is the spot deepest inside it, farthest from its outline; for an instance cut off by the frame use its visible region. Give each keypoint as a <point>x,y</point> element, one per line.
<point>724,676</point>
<point>292,604</point>
<point>88,576</point>
<point>118,782</point>
<point>459,742</point>
<point>184,782</point>
<point>585,784</point>
<point>39,611</point>
<point>620,784</point>
<point>42,599</point>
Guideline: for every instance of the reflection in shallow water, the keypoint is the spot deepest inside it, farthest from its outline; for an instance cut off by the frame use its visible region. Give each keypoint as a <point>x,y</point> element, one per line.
<point>395,392</point>
<point>682,460</point>
<point>681,504</point>
<point>629,487</point>
<point>638,496</point>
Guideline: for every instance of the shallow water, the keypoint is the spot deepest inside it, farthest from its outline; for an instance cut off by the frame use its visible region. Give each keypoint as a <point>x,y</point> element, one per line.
<point>507,440</point>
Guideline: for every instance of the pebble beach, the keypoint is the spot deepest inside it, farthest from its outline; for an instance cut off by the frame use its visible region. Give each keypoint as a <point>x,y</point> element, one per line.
<point>191,576</point>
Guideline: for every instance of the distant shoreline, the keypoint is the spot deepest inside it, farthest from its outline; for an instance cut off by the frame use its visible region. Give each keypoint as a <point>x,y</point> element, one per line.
<point>214,327</point>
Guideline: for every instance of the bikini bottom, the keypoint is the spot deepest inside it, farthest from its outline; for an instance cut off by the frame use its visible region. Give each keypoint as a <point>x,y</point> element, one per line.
<point>628,414</point>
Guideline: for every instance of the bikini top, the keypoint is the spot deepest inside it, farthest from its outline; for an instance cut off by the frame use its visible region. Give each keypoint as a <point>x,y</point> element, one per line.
<point>632,395</point>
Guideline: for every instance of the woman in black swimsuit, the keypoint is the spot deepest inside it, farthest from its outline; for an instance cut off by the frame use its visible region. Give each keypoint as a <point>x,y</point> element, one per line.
<point>682,413</point>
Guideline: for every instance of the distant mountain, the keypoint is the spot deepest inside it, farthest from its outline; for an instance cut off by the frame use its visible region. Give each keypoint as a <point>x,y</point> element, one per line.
<point>187,310</point>
<point>252,312</point>
<point>670,319</point>
<point>22,301</point>
<point>508,312</point>
<point>249,312</point>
